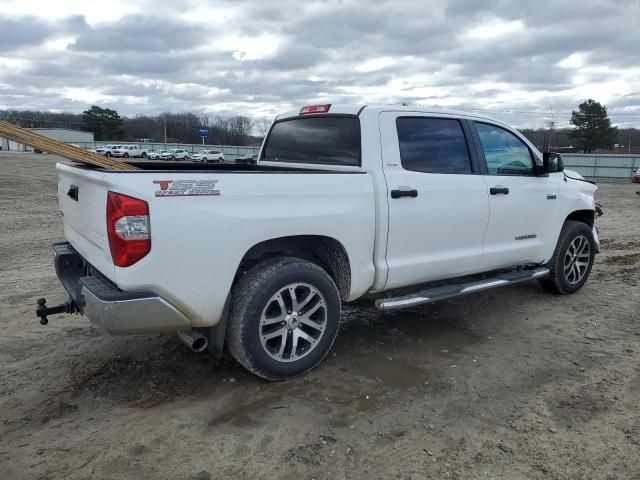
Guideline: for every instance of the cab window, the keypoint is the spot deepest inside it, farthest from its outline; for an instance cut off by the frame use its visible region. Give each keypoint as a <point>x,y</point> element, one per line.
<point>432,145</point>
<point>505,153</point>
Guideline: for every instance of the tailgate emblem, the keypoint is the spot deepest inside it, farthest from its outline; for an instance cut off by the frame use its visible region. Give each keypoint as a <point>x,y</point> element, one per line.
<point>186,188</point>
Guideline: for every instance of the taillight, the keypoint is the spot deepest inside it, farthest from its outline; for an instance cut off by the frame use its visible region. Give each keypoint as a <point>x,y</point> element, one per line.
<point>315,109</point>
<point>128,228</point>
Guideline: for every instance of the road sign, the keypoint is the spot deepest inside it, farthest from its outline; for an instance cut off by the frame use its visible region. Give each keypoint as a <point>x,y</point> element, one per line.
<point>203,132</point>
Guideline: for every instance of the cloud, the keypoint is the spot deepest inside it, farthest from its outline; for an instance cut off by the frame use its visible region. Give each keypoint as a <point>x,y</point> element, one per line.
<point>139,33</point>
<point>23,31</point>
<point>243,57</point>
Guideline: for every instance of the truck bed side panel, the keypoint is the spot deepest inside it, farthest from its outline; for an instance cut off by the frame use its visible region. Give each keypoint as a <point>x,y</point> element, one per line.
<point>197,242</point>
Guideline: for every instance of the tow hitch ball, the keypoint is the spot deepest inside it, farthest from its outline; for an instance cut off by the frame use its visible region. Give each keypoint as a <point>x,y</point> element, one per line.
<point>43,311</point>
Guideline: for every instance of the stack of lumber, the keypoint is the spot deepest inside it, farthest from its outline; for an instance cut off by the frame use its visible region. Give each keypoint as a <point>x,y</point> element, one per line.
<point>46,144</point>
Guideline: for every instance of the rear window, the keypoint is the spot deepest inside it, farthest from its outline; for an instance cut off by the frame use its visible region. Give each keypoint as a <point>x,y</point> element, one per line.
<point>327,140</point>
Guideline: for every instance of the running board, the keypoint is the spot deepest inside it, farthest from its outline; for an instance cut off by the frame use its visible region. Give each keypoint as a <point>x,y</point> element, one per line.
<point>440,293</point>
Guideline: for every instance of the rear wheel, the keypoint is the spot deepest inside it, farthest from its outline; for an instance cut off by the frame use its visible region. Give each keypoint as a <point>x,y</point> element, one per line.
<point>285,317</point>
<point>144,155</point>
<point>572,260</point>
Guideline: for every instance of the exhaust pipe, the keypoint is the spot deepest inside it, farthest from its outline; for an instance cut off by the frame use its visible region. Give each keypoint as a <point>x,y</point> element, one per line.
<point>194,340</point>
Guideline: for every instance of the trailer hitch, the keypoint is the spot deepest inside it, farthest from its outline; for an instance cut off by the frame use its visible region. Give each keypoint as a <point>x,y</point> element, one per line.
<point>43,311</point>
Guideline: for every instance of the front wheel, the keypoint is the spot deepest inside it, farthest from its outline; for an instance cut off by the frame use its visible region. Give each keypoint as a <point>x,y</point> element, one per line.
<point>572,260</point>
<point>284,319</point>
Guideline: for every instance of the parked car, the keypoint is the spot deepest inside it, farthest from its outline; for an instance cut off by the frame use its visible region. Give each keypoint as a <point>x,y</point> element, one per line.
<point>636,175</point>
<point>156,154</point>
<point>345,201</point>
<point>175,154</point>
<point>127,151</point>
<point>248,159</point>
<point>208,156</point>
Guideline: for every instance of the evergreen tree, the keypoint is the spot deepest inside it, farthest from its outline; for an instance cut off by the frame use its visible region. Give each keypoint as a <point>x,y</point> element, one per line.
<point>105,123</point>
<point>593,127</point>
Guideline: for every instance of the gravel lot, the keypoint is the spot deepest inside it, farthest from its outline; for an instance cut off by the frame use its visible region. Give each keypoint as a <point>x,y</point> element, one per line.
<point>508,384</point>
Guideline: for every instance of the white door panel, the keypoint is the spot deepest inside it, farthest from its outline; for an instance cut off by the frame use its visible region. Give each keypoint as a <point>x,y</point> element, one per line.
<point>439,232</point>
<point>519,221</point>
<point>521,213</point>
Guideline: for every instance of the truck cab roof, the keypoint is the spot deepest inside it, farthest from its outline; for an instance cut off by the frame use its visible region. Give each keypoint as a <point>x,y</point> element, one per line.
<point>344,109</point>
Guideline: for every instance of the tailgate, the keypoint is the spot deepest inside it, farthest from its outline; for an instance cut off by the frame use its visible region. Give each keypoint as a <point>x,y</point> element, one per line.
<point>82,196</point>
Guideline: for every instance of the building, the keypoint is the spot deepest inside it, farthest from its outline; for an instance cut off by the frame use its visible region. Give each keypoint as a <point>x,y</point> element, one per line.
<point>61,134</point>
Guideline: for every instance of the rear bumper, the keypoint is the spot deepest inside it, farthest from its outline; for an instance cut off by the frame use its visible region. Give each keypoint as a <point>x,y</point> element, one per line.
<point>117,312</point>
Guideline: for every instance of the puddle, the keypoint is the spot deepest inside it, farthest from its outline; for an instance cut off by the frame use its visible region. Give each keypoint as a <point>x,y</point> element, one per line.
<point>398,348</point>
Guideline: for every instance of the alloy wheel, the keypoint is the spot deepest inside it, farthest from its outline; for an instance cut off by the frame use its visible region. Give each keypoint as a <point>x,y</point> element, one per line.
<point>293,322</point>
<point>576,259</point>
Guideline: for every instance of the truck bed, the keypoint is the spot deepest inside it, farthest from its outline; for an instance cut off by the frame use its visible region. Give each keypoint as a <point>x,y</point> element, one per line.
<point>186,166</point>
<point>204,218</point>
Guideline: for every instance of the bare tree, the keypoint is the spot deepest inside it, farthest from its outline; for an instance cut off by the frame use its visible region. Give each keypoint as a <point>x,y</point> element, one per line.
<point>262,126</point>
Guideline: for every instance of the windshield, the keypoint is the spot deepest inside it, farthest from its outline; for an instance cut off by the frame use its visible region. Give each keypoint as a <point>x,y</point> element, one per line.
<point>329,140</point>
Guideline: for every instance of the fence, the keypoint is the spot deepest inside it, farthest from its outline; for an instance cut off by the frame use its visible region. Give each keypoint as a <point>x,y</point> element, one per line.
<point>605,167</point>
<point>231,152</point>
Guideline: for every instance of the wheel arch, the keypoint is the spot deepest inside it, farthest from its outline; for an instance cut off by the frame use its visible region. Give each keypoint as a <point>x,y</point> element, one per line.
<point>326,252</point>
<point>584,216</point>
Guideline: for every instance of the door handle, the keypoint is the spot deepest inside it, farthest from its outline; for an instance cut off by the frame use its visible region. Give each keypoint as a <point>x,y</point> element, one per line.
<point>499,190</point>
<point>413,193</point>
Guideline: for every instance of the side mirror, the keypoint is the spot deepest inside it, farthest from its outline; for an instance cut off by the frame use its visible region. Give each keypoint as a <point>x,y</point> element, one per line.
<point>552,162</point>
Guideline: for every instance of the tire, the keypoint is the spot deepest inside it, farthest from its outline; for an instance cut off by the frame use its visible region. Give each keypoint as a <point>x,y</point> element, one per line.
<point>107,154</point>
<point>126,155</point>
<point>567,276</point>
<point>172,158</point>
<point>204,160</point>
<point>255,307</point>
<point>144,155</point>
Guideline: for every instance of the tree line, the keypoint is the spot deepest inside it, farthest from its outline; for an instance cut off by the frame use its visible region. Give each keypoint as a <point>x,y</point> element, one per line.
<point>592,129</point>
<point>107,124</point>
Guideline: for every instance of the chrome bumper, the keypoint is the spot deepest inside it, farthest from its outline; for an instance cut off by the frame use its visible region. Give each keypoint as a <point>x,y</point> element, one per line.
<point>117,312</point>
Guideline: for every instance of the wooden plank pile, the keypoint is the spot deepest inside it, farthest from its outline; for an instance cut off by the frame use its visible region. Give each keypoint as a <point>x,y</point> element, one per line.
<point>46,144</point>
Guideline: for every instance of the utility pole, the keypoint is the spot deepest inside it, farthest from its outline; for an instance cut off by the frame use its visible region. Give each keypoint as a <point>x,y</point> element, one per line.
<point>552,124</point>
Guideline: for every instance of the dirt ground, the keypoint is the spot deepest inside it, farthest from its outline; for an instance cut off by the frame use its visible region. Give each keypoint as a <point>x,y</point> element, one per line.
<point>509,384</point>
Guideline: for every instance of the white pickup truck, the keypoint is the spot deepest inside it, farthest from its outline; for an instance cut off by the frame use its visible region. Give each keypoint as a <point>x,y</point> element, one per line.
<point>127,151</point>
<point>405,205</point>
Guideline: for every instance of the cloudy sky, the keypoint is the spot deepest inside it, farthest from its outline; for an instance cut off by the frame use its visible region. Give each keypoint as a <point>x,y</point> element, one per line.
<point>513,59</point>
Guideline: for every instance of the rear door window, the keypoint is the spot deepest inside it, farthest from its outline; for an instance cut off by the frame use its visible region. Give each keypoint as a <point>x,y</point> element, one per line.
<point>328,140</point>
<point>432,145</point>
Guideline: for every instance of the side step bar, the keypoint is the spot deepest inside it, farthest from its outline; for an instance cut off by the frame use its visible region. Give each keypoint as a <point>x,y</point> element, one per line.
<point>440,293</point>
